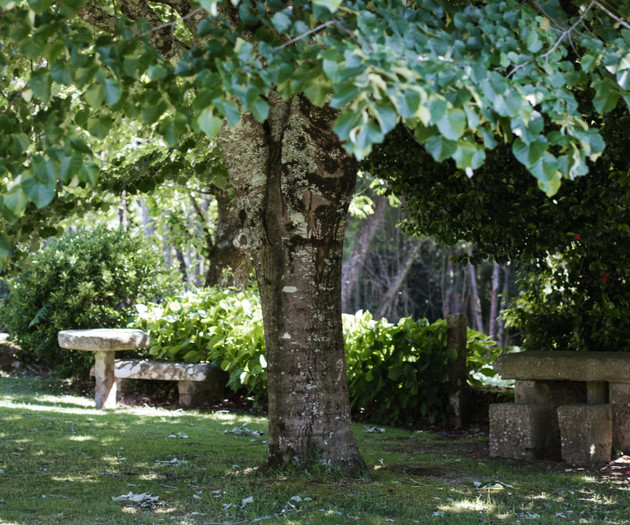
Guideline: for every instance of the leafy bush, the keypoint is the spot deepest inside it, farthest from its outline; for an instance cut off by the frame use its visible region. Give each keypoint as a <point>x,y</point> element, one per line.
<point>399,373</point>
<point>87,279</point>
<point>215,325</point>
<point>396,373</point>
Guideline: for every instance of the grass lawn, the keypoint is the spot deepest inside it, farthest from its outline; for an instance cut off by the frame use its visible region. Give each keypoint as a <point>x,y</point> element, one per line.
<point>64,462</point>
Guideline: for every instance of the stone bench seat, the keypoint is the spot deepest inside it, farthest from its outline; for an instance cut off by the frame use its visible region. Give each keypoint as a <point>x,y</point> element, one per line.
<point>578,402</point>
<point>196,382</point>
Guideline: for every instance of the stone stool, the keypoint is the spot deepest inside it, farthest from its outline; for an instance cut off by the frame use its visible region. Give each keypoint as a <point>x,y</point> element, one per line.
<point>104,342</point>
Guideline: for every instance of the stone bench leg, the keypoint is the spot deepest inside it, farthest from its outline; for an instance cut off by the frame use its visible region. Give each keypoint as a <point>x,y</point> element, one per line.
<point>105,388</point>
<point>586,434</point>
<point>619,395</point>
<point>517,430</point>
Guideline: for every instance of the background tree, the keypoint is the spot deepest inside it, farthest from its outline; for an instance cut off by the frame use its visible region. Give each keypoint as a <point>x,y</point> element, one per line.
<point>306,89</point>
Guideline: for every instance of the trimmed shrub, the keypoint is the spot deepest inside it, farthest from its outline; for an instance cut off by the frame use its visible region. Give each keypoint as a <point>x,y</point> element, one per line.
<point>397,374</point>
<point>87,279</point>
<point>221,326</point>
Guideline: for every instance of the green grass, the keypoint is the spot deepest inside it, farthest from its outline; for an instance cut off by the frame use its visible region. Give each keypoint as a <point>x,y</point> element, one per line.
<point>63,462</point>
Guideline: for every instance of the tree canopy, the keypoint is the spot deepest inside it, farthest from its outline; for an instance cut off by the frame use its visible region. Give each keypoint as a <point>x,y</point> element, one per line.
<point>462,77</point>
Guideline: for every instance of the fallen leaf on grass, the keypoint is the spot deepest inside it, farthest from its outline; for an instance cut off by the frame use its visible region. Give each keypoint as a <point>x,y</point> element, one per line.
<point>243,431</point>
<point>491,485</point>
<point>143,499</point>
<point>174,462</point>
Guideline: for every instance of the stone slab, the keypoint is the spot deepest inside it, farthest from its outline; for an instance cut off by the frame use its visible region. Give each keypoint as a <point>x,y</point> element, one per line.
<point>144,369</point>
<point>103,339</point>
<point>517,430</point>
<point>565,366</point>
<point>586,434</point>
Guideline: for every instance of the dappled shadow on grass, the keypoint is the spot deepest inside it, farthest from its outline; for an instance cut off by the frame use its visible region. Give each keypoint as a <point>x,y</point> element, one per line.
<point>62,462</point>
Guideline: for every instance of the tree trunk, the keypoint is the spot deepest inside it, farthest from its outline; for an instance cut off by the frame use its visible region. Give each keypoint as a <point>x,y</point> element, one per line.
<point>475,302</point>
<point>352,268</point>
<point>494,301</point>
<point>401,275</point>
<point>227,251</point>
<point>293,182</point>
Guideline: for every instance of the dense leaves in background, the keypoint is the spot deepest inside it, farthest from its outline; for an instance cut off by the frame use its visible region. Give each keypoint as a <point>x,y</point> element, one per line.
<point>86,279</point>
<point>572,248</point>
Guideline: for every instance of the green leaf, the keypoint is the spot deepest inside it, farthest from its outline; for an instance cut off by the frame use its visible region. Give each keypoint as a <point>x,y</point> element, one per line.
<point>69,167</point>
<point>386,116</point>
<point>209,123</point>
<point>16,200</point>
<point>260,109</point>
<point>95,95</point>
<point>453,124</point>
<point>112,92</point>
<point>440,148</point>
<point>469,156</point>
<point>89,173</point>
<point>317,91</point>
<point>345,122</point>
<point>331,5</point>
<point>40,83</point>
<point>5,247</point>
<point>99,127</point>
<point>39,194</point>
<point>157,72</point>
<point>281,21</point>
<point>228,109</point>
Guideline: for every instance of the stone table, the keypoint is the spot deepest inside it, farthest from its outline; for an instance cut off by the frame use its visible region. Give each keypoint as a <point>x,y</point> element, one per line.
<point>104,342</point>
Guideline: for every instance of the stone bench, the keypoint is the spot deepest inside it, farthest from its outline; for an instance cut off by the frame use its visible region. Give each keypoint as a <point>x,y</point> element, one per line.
<point>104,342</point>
<point>196,383</point>
<point>578,402</point>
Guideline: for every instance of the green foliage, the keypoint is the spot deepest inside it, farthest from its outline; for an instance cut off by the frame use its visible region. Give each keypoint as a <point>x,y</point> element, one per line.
<point>572,248</point>
<point>398,374</point>
<point>492,72</point>
<point>219,326</point>
<point>87,279</point>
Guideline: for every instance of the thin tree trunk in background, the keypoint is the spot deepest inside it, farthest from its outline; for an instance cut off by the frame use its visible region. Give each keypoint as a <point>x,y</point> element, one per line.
<point>351,270</point>
<point>475,302</point>
<point>403,271</point>
<point>147,223</point>
<point>494,301</point>
<point>123,212</point>
<point>182,264</point>
<point>504,301</point>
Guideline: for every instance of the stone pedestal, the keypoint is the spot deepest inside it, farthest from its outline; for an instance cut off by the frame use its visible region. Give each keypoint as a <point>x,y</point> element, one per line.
<point>517,430</point>
<point>619,395</point>
<point>104,342</point>
<point>586,434</point>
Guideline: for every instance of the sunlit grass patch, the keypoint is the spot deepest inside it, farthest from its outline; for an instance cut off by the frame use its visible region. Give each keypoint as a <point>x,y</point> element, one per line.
<point>64,462</point>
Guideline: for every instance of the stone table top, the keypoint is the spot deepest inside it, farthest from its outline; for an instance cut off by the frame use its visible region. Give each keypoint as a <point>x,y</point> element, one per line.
<point>103,339</point>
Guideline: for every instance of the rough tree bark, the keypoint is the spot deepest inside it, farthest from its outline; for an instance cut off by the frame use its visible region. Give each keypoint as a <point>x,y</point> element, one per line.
<point>293,183</point>
<point>352,269</point>
<point>228,261</point>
